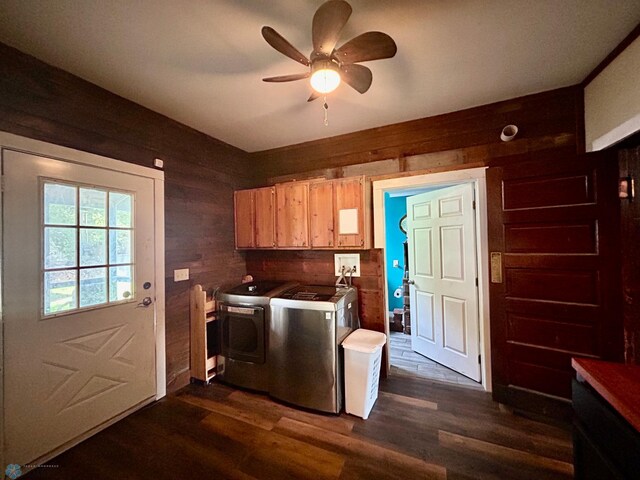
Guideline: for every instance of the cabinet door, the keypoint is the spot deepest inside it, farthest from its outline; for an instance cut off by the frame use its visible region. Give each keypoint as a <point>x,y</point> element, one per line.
<point>292,224</point>
<point>349,212</point>
<point>321,214</point>
<point>244,219</point>
<point>264,208</point>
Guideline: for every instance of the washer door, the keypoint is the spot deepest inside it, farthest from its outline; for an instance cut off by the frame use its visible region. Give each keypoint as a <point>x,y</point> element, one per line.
<point>243,333</point>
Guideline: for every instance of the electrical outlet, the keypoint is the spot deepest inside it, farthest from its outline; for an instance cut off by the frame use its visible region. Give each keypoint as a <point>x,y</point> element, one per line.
<point>396,264</point>
<point>181,275</point>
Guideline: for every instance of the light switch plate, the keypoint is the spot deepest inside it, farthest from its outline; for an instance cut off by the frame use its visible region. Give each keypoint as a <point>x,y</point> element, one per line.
<point>348,260</point>
<point>181,275</point>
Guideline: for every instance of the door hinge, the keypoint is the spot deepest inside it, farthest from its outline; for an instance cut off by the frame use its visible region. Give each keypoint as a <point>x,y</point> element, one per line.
<point>476,281</point>
<point>2,183</point>
<point>479,358</point>
<point>474,204</point>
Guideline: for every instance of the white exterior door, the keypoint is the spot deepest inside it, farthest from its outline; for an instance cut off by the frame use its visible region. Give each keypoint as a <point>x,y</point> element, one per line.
<point>442,267</point>
<point>79,338</point>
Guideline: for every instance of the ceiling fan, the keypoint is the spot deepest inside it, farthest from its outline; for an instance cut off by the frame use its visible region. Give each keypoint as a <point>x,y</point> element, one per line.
<point>328,66</point>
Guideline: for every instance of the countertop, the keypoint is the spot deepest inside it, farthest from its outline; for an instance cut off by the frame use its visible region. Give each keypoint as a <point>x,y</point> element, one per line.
<point>618,383</point>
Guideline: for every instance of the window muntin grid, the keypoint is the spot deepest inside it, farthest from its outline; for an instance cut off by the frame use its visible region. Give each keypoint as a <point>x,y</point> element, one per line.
<point>88,242</point>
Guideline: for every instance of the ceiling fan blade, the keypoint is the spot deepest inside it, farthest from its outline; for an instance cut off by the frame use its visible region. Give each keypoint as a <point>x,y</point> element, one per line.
<point>366,47</point>
<point>278,42</point>
<point>313,96</point>
<point>357,77</point>
<point>287,78</point>
<point>328,22</point>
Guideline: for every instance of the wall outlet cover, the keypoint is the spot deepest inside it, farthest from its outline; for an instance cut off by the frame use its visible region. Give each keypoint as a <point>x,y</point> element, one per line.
<point>181,275</point>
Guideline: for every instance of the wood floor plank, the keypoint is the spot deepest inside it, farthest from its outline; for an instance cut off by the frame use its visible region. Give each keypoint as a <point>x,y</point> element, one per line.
<point>256,402</point>
<point>355,446</point>
<point>414,402</point>
<point>273,455</point>
<point>418,429</point>
<point>260,419</point>
<point>507,454</point>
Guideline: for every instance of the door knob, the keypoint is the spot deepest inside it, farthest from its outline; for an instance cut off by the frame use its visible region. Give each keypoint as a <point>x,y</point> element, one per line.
<point>146,301</point>
<point>411,282</point>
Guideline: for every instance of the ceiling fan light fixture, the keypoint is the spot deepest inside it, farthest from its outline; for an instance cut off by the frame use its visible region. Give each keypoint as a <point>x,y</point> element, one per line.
<point>325,76</point>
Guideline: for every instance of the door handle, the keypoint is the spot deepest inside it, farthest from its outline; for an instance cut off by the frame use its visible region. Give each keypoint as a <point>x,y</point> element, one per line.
<point>146,301</point>
<point>411,282</point>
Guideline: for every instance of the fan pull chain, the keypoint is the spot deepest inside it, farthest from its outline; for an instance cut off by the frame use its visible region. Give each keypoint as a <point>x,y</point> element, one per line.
<point>326,112</point>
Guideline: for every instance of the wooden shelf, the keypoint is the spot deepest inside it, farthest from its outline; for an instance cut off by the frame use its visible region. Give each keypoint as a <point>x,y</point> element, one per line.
<point>202,315</point>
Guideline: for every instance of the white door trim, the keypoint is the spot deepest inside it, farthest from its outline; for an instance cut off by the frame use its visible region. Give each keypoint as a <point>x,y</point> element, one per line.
<point>477,176</point>
<point>36,147</point>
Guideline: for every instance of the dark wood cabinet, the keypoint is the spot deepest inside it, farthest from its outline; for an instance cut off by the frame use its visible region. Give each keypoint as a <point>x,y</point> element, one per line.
<point>606,435</point>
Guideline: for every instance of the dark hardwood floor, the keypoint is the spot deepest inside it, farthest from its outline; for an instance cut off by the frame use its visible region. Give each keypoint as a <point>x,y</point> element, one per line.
<point>417,429</point>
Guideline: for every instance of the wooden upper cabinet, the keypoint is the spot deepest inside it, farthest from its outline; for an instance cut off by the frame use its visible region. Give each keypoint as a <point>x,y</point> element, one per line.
<point>319,214</point>
<point>352,213</point>
<point>244,201</point>
<point>292,215</point>
<point>321,224</point>
<point>264,211</point>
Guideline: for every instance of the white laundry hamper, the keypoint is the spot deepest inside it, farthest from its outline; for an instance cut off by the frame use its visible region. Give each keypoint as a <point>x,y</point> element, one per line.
<point>362,357</point>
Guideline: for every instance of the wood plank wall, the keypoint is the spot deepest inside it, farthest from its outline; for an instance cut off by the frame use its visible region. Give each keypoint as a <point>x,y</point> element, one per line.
<point>547,121</point>
<point>317,268</point>
<point>201,173</point>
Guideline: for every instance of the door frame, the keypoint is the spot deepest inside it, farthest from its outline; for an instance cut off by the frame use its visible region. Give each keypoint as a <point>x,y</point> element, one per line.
<point>36,147</point>
<point>477,177</point>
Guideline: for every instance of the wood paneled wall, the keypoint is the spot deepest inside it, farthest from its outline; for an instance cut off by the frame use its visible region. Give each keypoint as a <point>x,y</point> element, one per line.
<point>201,173</point>
<point>545,120</point>
<point>317,268</point>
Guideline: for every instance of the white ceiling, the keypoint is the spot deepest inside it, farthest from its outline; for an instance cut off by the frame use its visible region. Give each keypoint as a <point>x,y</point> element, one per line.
<point>201,62</point>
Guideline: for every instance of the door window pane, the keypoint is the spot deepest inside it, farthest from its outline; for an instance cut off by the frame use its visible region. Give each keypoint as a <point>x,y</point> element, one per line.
<point>59,204</point>
<point>87,247</point>
<point>120,246</point>
<point>93,207</point>
<point>59,247</point>
<point>93,247</point>
<point>120,209</point>
<point>120,283</point>
<point>93,286</point>
<point>60,291</point>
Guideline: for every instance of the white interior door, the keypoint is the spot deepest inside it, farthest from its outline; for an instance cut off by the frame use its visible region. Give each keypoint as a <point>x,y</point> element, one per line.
<point>442,267</point>
<point>79,343</point>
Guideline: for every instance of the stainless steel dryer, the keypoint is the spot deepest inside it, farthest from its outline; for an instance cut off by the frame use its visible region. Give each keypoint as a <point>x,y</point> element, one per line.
<point>308,325</point>
<point>244,315</point>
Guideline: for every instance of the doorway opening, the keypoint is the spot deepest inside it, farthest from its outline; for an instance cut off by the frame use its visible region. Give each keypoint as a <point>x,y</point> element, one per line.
<point>404,298</point>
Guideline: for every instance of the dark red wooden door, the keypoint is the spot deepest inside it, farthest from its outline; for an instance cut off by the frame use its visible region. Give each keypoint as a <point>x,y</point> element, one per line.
<point>555,222</point>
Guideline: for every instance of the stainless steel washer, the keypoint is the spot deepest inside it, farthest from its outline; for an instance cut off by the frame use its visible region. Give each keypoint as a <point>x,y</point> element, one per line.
<point>308,325</point>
